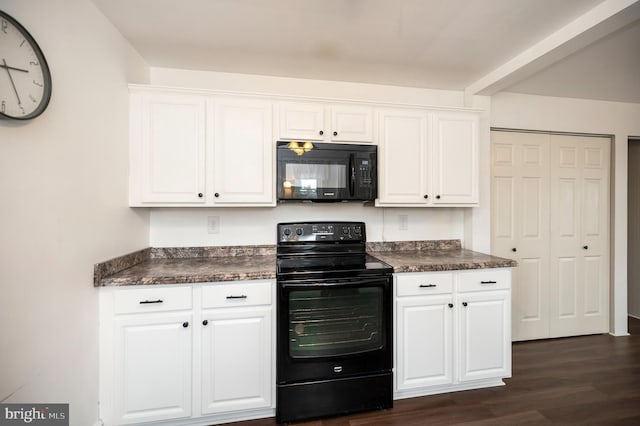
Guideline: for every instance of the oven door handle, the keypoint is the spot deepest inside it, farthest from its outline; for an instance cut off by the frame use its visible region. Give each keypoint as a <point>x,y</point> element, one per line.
<point>331,283</point>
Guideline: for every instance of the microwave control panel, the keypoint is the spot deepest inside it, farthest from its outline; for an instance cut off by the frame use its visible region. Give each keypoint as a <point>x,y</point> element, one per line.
<point>364,172</point>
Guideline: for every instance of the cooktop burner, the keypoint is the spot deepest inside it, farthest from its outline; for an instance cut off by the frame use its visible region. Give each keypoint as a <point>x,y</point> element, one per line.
<point>325,249</point>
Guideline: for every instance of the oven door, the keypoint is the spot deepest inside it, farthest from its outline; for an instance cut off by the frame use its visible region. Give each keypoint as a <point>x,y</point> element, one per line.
<point>333,328</point>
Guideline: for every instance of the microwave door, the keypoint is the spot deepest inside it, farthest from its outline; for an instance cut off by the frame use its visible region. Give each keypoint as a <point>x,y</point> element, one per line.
<point>316,180</point>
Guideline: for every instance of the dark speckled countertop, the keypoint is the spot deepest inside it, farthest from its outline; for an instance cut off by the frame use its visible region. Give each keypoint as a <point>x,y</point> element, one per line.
<point>441,260</point>
<point>230,263</point>
<point>438,255</point>
<point>187,265</point>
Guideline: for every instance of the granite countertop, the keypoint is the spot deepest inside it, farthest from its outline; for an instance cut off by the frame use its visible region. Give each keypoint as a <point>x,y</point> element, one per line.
<point>441,260</point>
<point>187,265</point>
<point>231,263</point>
<point>439,255</point>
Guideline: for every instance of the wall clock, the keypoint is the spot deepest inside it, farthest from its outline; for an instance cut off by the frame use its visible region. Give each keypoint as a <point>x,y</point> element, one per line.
<point>25,80</point>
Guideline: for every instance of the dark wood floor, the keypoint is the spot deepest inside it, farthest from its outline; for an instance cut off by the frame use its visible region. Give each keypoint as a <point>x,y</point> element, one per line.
<point>576,380</point>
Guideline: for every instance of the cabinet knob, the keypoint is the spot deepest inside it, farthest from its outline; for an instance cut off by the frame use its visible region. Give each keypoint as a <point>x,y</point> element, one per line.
<point>514,249</point>
<point>437,197</point>
<point>426,196</point>
<point>451,305</point>
<point>585,247</point>
<point>200,195</point>
<point>321,132</point>
<point>464,303</point>
<point>335,133</point>
<point>205,322</point>
<point>185,324</point>
<point>216,195</point>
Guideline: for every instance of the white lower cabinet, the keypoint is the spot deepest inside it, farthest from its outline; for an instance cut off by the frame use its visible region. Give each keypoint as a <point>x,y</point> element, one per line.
<point>197,354</point>
<point>425,341</point>
<point>485,335</point>
<point>153,367</point>
<point>452,331</point>
<point>236,347</point>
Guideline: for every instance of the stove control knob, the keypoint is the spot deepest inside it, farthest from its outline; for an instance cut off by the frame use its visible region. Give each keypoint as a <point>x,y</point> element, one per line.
<point>345,230</point>
<point>299,231</point>
<point>287,231</point>
<point>357,230</point>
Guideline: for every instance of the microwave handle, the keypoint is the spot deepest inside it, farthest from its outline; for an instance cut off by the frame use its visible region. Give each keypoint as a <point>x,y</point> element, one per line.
<point>352,175</point>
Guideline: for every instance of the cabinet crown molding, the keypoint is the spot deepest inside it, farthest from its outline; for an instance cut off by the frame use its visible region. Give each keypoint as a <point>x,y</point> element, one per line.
<point>150,88</point>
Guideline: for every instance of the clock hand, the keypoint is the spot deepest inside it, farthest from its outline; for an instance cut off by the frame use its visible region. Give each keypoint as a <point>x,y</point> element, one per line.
<point>7,67</point>
<point>12,83</point>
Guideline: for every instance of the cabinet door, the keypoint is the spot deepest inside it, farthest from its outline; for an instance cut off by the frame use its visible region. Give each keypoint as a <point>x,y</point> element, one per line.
<point>454,169</point>
<point>299,120</point>
<point>424,342</point>
<point>242,152</point>
<point>153,367</point>
<point>236,359</point>
<point>403,157</point>
<point>351,123</point>
<point>167,149</point>
<point>485,335</point>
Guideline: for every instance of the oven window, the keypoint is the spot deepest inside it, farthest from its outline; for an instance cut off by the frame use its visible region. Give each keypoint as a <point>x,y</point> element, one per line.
<point>335,321</point>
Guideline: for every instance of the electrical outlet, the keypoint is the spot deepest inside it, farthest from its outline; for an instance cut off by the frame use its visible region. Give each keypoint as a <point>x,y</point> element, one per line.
<point>403,222</point>
<point>213,224</point>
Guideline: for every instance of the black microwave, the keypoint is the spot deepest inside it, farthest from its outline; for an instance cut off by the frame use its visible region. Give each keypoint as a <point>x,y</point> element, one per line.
<point>310,171</point>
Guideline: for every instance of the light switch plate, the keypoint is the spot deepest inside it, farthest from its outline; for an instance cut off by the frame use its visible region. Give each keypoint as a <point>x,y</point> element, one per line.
<point>213,226</point>
<point>403,222</point>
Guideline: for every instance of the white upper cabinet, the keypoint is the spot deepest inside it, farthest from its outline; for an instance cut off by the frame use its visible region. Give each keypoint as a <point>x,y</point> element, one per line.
<point>191,149</point>
<point>325,122</point>
<point>428,158</point>
<point>242,151</point>
<point>351,123</point>
<point>455,158</point>
<point>403,157</point>
<point>167,149</point>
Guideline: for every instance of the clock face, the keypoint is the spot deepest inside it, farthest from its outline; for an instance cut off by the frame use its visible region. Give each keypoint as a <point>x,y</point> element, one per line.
<point>25,82</point>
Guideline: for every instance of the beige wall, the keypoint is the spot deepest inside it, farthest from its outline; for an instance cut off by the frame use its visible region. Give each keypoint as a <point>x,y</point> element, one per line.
<point>511,110</point>
<point>634,228</point>
<point>63,182</point>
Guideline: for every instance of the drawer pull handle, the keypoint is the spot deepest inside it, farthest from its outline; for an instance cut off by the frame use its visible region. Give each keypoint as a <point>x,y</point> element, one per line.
<point>205,322</point>
<point>451,305</point>
<point>488,282</point>
<point>185,324</point>
<point>244,296</point>
<point>146,302</point>
<point>427,285</point>
<point>464,304</point>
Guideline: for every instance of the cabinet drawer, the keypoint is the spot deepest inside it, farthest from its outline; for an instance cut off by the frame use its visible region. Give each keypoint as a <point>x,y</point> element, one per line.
<point>242,293</point>
<point>152,299</point>
<point>422,283</point>
<point>485,279</point>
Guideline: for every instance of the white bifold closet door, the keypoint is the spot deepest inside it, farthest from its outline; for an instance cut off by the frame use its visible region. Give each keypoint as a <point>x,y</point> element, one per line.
<point>550,212</point>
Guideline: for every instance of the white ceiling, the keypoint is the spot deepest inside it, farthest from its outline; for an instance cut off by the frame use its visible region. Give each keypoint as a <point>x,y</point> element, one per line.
<point>573,48</point>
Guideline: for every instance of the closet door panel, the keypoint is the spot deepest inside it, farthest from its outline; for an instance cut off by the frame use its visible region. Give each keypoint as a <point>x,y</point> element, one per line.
<point>550,212</point>
<point>579,233</point>
<point>520,221</point>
